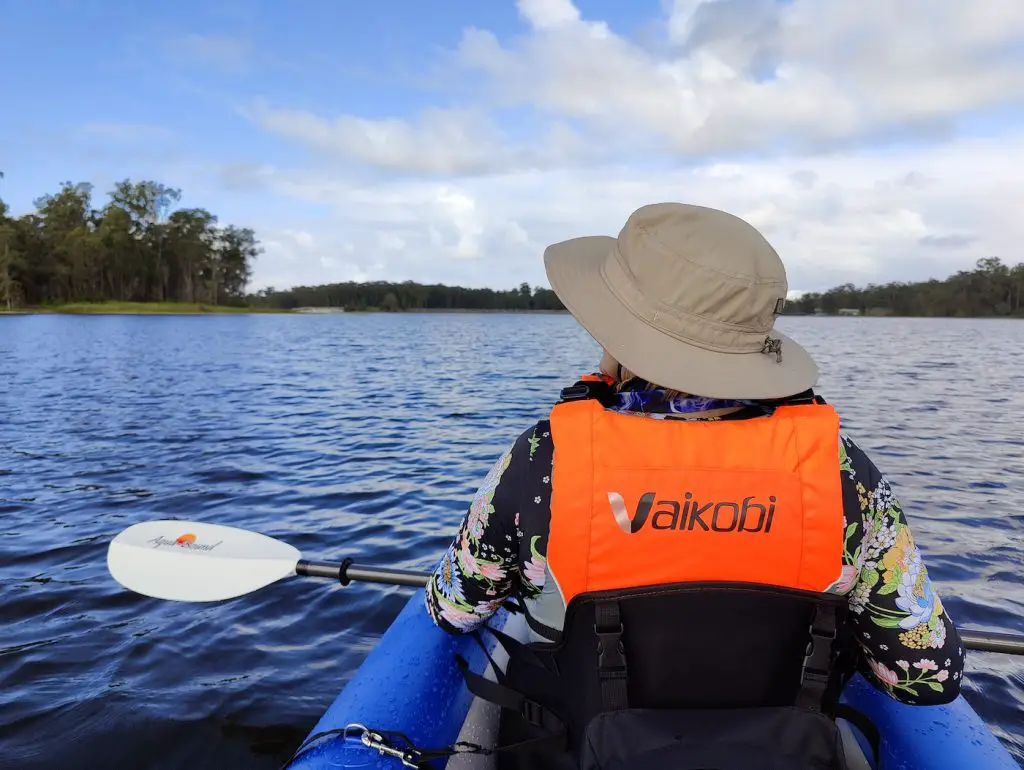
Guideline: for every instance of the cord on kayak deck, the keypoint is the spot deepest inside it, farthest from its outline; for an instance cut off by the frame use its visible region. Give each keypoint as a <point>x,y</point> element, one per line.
<point>391,743</point>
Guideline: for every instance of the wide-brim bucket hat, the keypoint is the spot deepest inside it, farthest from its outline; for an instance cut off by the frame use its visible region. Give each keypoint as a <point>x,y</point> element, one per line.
<point>686,297</point>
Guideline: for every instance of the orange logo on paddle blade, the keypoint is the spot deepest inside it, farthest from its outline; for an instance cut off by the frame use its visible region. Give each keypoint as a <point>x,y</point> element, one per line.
<point>186,539</point>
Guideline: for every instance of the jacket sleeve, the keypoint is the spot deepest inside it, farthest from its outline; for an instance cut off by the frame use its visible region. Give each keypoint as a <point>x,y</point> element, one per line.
<point>480,569</point>
<point>910,646</point>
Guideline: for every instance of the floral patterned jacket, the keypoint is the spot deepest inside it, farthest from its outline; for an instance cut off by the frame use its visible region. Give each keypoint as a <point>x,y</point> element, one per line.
<point>911,649</point>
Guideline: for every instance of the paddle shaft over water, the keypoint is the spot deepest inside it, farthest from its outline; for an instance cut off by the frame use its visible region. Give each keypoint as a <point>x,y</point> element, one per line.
<point>985,641</point>
<point>347,571</point>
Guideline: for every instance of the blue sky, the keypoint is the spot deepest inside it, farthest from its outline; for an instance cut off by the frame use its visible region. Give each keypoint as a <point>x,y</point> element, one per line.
<point>452,141</point>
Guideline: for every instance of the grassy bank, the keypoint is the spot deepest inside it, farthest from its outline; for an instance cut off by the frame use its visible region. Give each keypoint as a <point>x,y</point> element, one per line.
<point>185,308</point>
<point>144,308</point>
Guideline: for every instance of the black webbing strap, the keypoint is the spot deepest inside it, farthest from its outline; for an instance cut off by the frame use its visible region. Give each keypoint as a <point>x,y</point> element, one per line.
<point>477,637</point>
<point>517,703</point>
<point>862,722</point>
<point>516,648</point>
<point>544,744</point>
<point>598,390</point>
<point>546,632</point>
<point>512,607</point>
<point>818,659</point>
<point>611,656</point>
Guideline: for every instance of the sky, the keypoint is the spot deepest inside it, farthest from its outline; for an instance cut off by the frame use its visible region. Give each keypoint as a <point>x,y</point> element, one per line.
<point>452,141</point>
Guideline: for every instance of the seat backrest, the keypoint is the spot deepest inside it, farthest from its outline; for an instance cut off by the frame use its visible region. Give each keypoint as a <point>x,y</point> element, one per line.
<point>704,646</point>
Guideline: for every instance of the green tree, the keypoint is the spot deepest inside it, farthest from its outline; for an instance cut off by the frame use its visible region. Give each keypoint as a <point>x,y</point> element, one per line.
<point>235,251</point>
<point>10,260</point>
<point>191,238</point>
<point>134,248</point>
<point>992,289</point>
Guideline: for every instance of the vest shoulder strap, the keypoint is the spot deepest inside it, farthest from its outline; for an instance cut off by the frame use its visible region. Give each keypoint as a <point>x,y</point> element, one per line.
<point>591,386</point>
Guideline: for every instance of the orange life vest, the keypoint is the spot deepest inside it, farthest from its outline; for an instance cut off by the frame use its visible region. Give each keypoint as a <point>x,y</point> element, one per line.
<point>641,502</point>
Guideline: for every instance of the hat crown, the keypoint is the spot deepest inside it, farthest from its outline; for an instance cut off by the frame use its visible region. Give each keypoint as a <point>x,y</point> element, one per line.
<point>686,297</point>
<point>699,272</point>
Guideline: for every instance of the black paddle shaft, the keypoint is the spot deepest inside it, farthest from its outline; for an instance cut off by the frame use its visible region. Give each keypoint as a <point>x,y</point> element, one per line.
<point>990,641</point>
<point>346,571</point>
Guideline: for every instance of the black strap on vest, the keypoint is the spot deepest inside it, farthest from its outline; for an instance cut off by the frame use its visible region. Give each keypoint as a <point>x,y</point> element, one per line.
<point>599,390</point>
<point>611,656</point>
<point>805,397</point>
<point>818,659</point>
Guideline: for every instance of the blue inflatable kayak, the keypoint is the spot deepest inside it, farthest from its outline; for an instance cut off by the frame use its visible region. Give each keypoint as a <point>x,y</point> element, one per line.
<point>409,684</point>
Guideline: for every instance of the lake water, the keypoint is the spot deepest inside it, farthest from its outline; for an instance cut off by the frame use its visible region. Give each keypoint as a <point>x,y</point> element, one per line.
<point>365,435</point>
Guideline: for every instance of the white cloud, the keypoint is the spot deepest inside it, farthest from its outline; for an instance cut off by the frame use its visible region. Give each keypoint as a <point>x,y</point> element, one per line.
<point>439,141</point>
<point>756,75</point>
<point>543,14</point>
<point>298,258</point>
<point>390,242</point>
<point>442,141</point>
<point>734,76</point>
<point>836,128</point>
<point>843,217</point>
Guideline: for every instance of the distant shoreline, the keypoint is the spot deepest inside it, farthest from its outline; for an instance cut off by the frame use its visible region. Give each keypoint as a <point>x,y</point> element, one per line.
<point>185,308</point>
<point>139,308</point>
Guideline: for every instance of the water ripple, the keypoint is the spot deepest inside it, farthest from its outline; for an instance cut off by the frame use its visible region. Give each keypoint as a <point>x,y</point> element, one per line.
<point>365,435</point>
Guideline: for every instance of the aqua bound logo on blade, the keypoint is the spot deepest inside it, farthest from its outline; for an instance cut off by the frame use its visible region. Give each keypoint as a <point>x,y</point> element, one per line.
<point>690,514</point>
<point>186,541</point>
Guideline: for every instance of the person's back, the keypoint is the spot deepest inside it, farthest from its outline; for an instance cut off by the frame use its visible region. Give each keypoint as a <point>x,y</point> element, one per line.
<point>705,542</point>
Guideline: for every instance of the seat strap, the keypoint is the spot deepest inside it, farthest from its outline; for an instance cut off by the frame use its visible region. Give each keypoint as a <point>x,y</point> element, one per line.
<point>529,710</point>
<point>547,633</point>
<point>514,648</point>
<point>477,637</point>
<point>611,656</point>
<point>818,659</point>
<point>862,722</point>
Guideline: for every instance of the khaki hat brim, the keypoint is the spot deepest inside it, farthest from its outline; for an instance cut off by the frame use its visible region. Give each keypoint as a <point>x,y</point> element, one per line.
<point>574,271</point>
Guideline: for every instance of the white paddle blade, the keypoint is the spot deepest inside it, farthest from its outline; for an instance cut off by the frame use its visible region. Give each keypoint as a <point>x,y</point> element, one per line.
<point>189,561</point>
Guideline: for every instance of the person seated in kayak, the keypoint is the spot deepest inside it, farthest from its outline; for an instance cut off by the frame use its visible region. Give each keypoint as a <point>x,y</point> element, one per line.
<point>698,454</point>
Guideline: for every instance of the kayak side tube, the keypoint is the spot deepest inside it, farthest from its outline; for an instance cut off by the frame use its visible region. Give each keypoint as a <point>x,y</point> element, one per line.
<point>409,683</point>
<point>912,737</point>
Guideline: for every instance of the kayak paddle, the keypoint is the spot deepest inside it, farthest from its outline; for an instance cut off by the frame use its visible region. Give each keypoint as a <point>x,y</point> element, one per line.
<point>190,561</point>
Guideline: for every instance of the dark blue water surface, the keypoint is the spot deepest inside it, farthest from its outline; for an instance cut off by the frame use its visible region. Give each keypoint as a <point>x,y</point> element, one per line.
<point>365,435</point>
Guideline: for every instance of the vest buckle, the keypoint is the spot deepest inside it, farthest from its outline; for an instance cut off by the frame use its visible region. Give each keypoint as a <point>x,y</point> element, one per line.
<point>815,674</point>
<point>533,712</point>
<point>577,392</point>
<point>611,654</point>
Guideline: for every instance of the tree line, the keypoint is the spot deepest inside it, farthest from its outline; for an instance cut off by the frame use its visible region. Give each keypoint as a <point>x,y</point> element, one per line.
<point>138,248</point>
<point>135,248</point>
<point>395,297</point>
<point>991,289</point>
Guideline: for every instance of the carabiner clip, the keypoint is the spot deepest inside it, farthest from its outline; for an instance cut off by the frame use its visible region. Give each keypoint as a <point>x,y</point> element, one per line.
<point>377,741</point>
